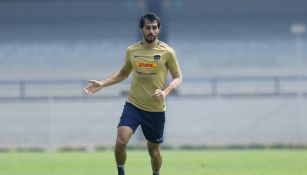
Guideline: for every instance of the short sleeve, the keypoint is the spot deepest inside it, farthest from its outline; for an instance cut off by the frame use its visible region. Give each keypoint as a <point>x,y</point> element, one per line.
<point>172,63</point>
<point>127,64</point>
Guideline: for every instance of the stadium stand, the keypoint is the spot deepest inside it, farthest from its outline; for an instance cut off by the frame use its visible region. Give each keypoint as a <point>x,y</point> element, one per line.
<point>241,70</point>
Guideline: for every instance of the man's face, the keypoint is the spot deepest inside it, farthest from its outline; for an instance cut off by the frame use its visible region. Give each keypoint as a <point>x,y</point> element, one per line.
<point>150,30</point>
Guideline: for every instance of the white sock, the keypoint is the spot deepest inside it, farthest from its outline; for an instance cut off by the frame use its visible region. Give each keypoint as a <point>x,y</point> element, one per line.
<point>120,166</point>
<point>156,173</point>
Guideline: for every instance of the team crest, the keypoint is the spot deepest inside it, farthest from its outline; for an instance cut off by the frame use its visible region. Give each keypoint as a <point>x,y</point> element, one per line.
<point>157,57</point>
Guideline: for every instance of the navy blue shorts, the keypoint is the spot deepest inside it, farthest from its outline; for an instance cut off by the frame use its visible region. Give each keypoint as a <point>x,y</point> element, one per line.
<point>152,123</point>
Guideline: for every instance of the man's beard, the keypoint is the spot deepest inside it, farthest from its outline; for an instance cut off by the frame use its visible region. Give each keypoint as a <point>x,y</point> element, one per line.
<point>150,38</point>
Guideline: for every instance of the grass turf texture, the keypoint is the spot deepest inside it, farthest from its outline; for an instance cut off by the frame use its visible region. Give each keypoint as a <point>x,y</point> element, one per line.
<point>206,162</point>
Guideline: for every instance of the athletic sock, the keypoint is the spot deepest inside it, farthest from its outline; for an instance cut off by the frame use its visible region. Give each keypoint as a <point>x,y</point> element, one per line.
<point>121,169</point>
<point>158,173</point>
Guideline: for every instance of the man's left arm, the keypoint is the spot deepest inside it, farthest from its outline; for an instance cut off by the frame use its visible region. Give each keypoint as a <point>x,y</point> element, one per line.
<point>175,71</point>
<point>162,94</point>
<point>176,81</point>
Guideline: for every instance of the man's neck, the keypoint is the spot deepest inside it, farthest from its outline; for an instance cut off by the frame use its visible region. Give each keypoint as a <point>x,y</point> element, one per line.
<point>150,45</point>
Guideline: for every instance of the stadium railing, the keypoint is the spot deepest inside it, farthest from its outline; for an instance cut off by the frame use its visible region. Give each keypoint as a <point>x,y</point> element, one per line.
<point>207,86</point>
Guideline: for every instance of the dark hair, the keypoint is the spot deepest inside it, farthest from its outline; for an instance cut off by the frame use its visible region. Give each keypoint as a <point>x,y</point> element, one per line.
<point>151,17</point>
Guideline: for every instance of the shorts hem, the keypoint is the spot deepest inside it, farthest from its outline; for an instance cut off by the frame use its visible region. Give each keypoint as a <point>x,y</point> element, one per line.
<point>127,126</point>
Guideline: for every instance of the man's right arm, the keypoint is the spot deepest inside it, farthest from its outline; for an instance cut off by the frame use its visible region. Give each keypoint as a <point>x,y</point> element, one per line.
<point>115,78</point>
<point>95,85</point>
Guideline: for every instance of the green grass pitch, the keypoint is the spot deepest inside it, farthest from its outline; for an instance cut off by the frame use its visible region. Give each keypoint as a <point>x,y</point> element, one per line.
<point>198,162</point>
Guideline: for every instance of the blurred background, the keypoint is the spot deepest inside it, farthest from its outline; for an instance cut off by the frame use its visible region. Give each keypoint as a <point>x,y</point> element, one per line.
<point>244,64</point>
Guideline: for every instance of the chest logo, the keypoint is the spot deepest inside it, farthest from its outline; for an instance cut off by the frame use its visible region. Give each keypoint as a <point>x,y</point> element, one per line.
<point>146,65</point>
<point>157,57</point>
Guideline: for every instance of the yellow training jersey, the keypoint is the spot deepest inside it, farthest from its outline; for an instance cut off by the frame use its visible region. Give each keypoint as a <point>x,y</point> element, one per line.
<point>149,72</point>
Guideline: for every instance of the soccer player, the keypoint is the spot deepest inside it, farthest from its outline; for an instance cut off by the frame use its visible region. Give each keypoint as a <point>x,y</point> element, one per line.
<point>149,62</point>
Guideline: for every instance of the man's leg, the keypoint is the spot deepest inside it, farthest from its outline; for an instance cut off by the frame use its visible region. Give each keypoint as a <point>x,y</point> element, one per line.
<point>156,158</point>
<point>124,134</point>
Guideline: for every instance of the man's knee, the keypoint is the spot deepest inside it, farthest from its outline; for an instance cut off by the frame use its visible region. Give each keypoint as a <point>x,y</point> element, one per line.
<point>121,143</point>
<point>154,150</point>
<point>123,135</point>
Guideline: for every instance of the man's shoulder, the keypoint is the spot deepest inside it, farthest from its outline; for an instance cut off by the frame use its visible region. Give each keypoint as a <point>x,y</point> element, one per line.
<point>166,47</point>
<point>134,46</point>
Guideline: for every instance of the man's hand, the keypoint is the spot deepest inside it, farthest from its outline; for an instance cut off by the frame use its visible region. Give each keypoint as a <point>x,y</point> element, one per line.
<point>159,95</point>
<point>92,87</point>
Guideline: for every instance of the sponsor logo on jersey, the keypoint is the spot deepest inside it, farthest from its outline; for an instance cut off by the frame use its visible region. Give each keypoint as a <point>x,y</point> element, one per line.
<point>146,73</point>
<point>146,65</point>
